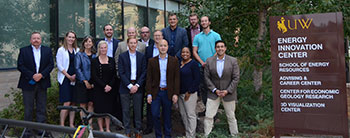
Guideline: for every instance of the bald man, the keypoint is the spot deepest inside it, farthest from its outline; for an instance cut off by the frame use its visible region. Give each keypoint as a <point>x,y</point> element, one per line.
<point>162,87</point>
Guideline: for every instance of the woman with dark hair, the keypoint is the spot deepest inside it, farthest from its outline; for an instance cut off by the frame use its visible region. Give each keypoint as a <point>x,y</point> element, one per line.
<point>189,72</point>
<point>103,75</point>
<point>66,75</point>
<point>84,86</point>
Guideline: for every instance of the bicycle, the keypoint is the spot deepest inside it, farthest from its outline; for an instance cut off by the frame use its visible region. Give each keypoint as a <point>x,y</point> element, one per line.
<point>85,129</point>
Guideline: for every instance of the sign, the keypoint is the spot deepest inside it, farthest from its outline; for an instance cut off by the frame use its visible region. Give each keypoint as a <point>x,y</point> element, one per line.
<point>308,74</point>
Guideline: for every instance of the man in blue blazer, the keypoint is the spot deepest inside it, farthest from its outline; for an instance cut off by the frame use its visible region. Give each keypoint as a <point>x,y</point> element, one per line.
<point>35,63</point>
<point>176,36</point>
<point>132,71</point>
<point>112,42</point>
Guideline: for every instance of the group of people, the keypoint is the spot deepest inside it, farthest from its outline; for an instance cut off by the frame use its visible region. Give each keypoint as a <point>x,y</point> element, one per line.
<point>161,72</point>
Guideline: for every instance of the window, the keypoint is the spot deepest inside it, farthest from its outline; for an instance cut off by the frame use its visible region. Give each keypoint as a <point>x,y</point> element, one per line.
<point>19,19</point>
<point>108,12</point>
<point>134,16</point>
<point>74,15</point>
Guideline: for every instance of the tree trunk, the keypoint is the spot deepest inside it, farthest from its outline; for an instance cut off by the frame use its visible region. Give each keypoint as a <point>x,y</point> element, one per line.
<point>261,37</point>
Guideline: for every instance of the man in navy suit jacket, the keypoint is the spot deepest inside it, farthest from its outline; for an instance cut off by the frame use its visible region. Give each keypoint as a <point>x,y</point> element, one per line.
<point>35,63</point>
<point>176,36</point>
<point>132,71</point>
<point>112,42</point>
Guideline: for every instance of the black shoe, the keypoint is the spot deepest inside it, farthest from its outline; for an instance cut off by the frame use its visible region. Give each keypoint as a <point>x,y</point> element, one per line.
<point>200,114</point>
<point>147,131</point>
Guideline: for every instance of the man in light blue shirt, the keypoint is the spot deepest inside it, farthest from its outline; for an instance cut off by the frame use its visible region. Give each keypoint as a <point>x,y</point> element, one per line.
<point>203,48</point>
<point>163,87</point>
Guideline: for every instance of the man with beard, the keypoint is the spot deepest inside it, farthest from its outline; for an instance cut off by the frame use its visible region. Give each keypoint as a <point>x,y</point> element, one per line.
<point>203,48</point>
<point>112,42</point>
<point>145,37</point>
<point>221,75</point>
<point>193,29</point>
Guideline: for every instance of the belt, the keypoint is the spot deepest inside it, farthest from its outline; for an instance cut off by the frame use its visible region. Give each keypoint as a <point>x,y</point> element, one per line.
<point>163,89</point>
<point>133,82</point>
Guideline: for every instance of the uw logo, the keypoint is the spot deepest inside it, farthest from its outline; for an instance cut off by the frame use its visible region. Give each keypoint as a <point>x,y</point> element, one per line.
<point>281,26</point>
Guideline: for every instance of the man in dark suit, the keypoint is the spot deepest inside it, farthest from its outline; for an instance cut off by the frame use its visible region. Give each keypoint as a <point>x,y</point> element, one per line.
<point>112,42</point>
<point>221,75</point>
<point>193,29</point>
<point>35,63</point>
<point>152,51</point>
<point>176,36</point>
<point>132,70</point>
<point>163,87</point>
<point>145,37</point>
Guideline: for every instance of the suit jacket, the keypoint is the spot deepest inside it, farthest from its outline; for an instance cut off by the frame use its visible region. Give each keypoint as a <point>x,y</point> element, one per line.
<point>172,77</point>
<point>125,71</point>
<point>149,50</point>
<point>26,65</point>
<point>82,66</point>
<point>188,29</point>
<point>115,45</point>
<point>228,80</point>
<point>122,47</point>
<point>180,42</point>
<point>150,42</point>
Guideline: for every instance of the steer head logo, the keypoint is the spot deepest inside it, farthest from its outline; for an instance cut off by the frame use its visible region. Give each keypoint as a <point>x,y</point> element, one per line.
<point>281,26</point>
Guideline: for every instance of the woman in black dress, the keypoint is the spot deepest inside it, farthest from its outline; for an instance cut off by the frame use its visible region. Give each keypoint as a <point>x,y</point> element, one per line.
<point>103,75</point>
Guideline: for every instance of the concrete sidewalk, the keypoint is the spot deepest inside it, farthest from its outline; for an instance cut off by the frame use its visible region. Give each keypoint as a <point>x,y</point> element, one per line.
<point>8,79</point>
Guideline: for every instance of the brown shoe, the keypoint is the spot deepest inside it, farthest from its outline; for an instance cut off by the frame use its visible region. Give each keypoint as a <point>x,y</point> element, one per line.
<point>128,135</point>
<point>138,135</point>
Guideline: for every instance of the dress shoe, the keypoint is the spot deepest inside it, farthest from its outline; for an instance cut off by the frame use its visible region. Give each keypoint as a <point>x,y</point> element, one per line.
<point>128,135</point>
<point>138,135</point>
<point>147,131</point>
<point>200,114</point>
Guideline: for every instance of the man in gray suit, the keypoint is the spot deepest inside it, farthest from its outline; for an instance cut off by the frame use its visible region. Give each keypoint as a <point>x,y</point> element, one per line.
<point>221,75</point>
<point>122,46</point>
<point>175,35</point>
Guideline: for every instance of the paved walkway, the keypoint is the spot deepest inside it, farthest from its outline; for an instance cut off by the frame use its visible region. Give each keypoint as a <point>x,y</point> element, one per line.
<point>8,80</point>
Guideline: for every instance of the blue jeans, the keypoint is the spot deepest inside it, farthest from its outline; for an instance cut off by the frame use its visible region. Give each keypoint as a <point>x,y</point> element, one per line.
<point>162,100</point>
<point>137,104</point>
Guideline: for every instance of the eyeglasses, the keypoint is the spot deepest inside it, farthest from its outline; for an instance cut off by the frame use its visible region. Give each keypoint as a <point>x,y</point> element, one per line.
<point>144,32</point>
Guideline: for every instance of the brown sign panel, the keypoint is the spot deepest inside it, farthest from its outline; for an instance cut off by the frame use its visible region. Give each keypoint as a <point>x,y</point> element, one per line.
<point>308,74</point>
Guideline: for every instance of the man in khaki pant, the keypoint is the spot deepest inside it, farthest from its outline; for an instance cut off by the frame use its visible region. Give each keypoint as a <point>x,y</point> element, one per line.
<point>221,75</point>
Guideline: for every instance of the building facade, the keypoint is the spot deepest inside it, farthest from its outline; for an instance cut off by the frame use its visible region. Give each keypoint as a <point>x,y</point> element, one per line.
<point>53,18</point>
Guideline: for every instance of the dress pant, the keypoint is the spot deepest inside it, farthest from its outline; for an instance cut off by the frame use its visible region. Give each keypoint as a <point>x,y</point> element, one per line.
<point>203,88</point>
<point>211,110</point>
<point>163,101</point>
<point>188,113</point>
<point>38,96</point>
<point>126,99</point>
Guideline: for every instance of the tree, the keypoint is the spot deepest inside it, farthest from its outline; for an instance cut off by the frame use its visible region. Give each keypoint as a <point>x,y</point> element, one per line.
<point>248,20</point>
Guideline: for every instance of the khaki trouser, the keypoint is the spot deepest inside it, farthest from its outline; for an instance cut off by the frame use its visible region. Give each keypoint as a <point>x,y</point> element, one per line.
<point>188,114</point>
<point>211,110</point>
